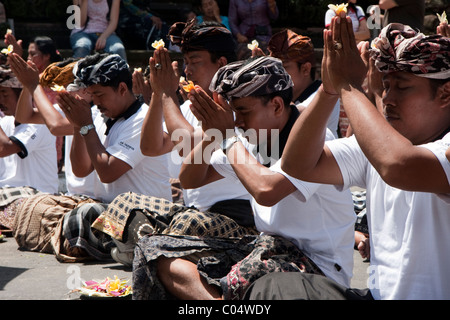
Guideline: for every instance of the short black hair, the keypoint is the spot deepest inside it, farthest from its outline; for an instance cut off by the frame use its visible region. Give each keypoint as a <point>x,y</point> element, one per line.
<point>286,95</point>
<point>46,45</point>
<point>230,55</point>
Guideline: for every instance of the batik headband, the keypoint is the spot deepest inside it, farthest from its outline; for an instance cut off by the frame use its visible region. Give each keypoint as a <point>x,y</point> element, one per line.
<point>57,74</point>
<point>288,45</point>
<point>254,77</point>
<point>8,79</point>
<point>401,48</point>
<point>101,73</point>
<point>190,37</point>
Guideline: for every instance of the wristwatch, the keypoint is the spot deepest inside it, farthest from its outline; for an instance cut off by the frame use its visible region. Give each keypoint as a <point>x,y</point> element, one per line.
<point>85,129</point>
<point>226,144</point>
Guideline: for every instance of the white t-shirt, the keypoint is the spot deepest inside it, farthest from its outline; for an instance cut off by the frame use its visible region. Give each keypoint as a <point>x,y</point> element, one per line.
<point>76,185</point>
<point>204,197</point>
<point>148,175</point>
<point>38,169</point>
<point>333,120</point>
<point>317,218</point>
<point>409,231</point>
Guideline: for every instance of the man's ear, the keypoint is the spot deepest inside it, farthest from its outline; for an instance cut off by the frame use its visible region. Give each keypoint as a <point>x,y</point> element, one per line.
<point>123,89</point>
<point>222,61</point>
<point>443,92</point>
<point>278,105</point>
<point>306,69</point>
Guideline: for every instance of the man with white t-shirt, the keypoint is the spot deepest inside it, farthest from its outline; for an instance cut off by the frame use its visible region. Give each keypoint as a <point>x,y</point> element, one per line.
<point>206,47</point>
<point>221,208</point>
<point>312,220</point>
<point>28,154</point>
<point>399,158</point>
<point>36,107</point>
<point>24,146</point>
<point>109,144</point>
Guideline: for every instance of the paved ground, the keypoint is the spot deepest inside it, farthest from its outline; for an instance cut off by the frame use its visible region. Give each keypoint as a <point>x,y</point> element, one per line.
<point>35,276</point>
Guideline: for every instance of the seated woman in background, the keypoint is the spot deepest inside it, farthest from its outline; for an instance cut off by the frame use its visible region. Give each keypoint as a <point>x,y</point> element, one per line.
<point>99,20</point>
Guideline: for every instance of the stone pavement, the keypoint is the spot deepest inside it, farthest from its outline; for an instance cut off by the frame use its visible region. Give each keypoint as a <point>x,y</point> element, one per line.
<point>28,275</point>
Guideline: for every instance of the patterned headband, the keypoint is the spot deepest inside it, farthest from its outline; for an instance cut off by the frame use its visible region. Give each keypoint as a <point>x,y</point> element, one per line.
<point>288,45</point>
<point>191,36</point>
<point>55,74</point>
<point>101,73</point>
<point>254,77</point>
<point>401,48</point>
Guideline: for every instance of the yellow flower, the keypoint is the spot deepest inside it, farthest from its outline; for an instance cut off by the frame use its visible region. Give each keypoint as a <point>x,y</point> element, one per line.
<point>189,86</point>
<point>113,285</point>
<point>253,45</point>
<point>443,17</point>
<point>8,50</point>
<point>158,44</point>
<point>57,88</point>
<point>186,85</point>
<point>338,8</point>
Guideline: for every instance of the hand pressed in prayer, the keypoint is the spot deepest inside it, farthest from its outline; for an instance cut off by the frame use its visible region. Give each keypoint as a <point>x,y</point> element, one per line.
<point>10,39</point>
<point>343,63</point>
<point>213,113</point>
<point>142,86</point>
<point>25,71</point>
<point>443,29</point>
<point>76,109</point>
<point>164,79</point>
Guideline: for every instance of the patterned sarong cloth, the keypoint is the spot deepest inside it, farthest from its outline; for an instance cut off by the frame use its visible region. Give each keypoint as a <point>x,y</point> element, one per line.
<point>78,232</point>
<point>38,225</point>
<point>230,264</point>
<point>163,217</point>
<point>10,198</point>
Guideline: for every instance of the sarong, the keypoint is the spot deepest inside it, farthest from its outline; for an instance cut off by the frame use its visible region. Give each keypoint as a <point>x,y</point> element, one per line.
<point>78,232</point>
<point>38,225</point>
<point>10,200</point>
<point>130,216</point>
<point>232,266</point>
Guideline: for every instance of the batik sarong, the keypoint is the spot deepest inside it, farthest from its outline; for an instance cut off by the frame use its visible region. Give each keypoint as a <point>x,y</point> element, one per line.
<point>230,264</point>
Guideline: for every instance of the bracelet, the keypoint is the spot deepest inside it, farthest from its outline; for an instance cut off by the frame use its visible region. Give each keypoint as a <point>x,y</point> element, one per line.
<point>331,94</point>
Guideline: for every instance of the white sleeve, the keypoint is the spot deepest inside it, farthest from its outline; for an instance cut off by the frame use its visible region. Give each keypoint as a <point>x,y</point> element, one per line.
<point>220,163</point>
<point>306,189</point>
<point>30,137</point>
<point>360,13</point>
<point>351,161</point>
<point>439,148</point>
